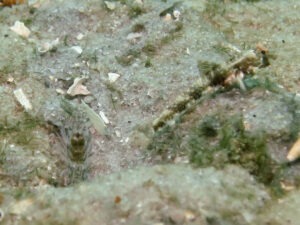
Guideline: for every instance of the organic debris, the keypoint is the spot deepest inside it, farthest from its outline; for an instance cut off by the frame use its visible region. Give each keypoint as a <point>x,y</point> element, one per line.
<point>20,29</point>
<point>96,120</point>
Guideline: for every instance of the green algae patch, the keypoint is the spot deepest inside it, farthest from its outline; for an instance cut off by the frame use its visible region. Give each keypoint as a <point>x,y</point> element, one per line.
<point>19,130</point>
<point>235,127</point>
<point>221,140</point>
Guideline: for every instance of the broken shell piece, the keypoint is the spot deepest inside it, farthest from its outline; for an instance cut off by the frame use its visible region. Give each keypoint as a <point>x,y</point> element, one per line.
<point>22,99</point>
<point>77,49</point>
<point>20,29</point>
<point>104,118</point>
<point>112,77</point>
<point>77,88</point>
<point>294,153</point>
<point>48,46</point>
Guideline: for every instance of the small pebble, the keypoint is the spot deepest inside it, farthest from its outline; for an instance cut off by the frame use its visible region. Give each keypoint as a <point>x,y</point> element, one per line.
<point>110,5</point>
<point>77,49</point>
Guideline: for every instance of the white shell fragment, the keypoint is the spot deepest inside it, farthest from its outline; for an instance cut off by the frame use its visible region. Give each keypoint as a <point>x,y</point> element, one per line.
<point>110,5</point>
<point>188,52</point>
<point>95,119</point>
<point>48,46</point>
<point>80,36</point>
<point>22,99</point>
<point>294,153</point>
<point>112,77</point>
<point>77,49</point>
<point>77,88</point>
<point>176,14</point>
<point>20,29</point>
<point>104,118</point>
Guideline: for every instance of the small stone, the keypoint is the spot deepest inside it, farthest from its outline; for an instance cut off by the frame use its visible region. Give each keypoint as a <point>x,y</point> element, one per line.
<point>176,14</point>
<point>118,133</point>
<point>79,36</point>
<point>189,216</point>
<point>133,37</point>
<point>139,139</point>
<point>77,49</point>
<point>60,91</point>
<point>89,99</point>
<point>167,17</point>
<point>48,46</point>
<point>177,216</point>
<point>10,79</point>
<point>110,5</point>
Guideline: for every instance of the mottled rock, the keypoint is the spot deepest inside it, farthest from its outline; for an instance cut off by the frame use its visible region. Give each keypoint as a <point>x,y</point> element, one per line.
<point>151,195</point>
